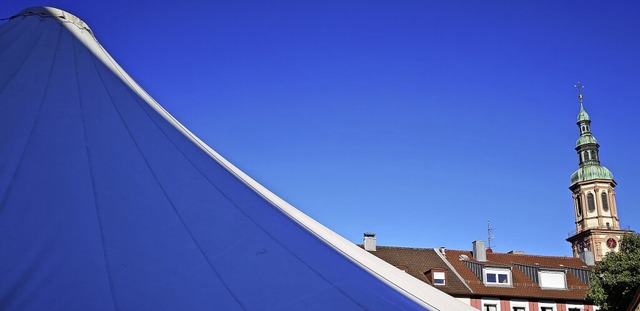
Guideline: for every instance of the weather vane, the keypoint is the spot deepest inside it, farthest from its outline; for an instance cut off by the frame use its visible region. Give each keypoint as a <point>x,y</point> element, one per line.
<point>579,86</point>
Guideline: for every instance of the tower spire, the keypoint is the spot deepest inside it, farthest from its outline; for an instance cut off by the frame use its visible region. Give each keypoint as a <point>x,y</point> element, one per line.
<point>596,217</point>
<point>587,146</point>
<point>583,115</point>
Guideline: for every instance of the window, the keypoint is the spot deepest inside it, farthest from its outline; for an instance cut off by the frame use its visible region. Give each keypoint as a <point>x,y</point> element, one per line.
<point>488,307</point>
<point>491,304</point>
<point>591,202</point>
<point>579,197</point>
<point>520,305</point>
<point>547,306</point>
<point>497,276</point>
<point>552,279</point>
<point>438,278</point>
<point>605,201</point>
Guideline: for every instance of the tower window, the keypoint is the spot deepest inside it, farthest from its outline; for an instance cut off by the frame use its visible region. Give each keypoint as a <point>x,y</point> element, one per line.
<point>605,201</point>
<point>579,198</point>
<point>591,202</point>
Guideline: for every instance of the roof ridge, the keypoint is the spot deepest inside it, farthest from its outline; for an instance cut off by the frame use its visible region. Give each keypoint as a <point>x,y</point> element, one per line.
<point>405,247</point>
<point>489,254</point>
<point>533,255</point>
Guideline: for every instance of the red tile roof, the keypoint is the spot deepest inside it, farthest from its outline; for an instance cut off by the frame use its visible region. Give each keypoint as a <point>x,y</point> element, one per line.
<point>418,261</point>
<point>522,285</point>
<point>462,281</point>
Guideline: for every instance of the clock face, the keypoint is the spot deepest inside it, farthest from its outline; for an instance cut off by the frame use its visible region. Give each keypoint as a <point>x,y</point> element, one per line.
<point>611,243</point>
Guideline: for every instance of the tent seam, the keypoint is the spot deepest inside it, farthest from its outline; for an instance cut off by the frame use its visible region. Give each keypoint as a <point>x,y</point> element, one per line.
<point>93,186</point>
<point>35,122</point>
<point>164,192</point>
<point>30,136</point>
<point>174,122</point>
<point>26,56</point>
<point>243,212</point>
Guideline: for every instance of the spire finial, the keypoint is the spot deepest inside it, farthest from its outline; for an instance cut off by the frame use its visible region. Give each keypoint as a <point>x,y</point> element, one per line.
<point>579,86</point>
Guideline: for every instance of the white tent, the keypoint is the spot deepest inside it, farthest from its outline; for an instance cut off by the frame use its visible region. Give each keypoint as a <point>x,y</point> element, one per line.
<point>107,202</point>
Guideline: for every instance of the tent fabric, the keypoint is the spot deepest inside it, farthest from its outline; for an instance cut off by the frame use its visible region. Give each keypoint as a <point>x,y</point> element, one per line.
<point>108,203</point>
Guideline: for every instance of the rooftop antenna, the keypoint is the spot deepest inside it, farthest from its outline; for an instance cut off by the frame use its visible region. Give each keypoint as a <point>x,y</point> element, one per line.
<point>489,234</point>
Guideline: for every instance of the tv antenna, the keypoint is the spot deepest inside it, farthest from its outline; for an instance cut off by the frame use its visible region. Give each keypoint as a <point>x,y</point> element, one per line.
<point>490,236</point>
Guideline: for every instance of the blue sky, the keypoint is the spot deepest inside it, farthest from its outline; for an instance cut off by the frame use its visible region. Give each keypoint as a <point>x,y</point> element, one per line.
<point>417,120</point>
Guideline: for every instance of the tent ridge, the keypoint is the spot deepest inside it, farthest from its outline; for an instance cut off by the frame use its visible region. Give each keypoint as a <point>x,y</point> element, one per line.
<point>50,13</point>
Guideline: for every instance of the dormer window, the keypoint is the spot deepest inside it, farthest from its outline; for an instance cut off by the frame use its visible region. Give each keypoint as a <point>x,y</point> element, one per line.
<point>438,278</point>
<point>552,279</point>
<point>497,276</point>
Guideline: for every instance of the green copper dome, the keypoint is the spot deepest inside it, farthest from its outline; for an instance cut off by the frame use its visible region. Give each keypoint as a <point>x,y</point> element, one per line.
<point>587,148</point>
<point>586,139</point>
<point>590,172</point>
<point>583,115</point>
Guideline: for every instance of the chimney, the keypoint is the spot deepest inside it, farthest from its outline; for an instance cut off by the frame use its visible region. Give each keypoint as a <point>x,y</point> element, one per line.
<point>479,251</point>
<point>369,241</point>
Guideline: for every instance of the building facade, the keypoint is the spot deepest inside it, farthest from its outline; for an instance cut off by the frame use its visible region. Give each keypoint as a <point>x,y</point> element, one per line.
<point>491,281</point>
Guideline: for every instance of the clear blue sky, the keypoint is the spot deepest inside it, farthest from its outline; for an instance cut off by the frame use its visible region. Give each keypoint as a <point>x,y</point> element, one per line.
<point>417,120</point>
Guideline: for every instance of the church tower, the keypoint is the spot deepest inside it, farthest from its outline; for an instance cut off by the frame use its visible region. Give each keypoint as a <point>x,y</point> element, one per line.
<point>597,224</point>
